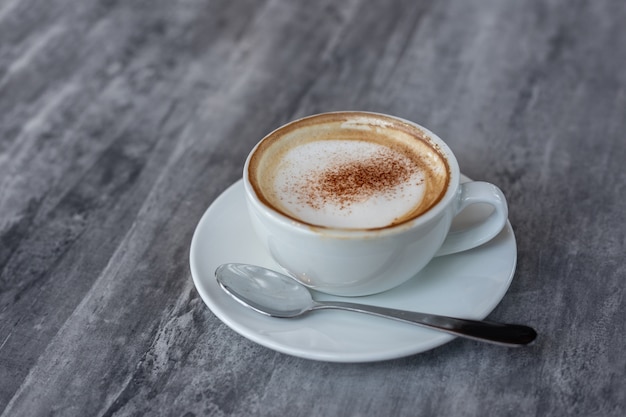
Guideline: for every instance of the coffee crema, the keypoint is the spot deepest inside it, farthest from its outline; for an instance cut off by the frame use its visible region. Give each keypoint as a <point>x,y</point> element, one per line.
<point>349,170</point>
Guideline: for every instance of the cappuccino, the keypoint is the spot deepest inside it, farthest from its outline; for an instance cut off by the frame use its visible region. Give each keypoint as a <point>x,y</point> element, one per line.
<point>349,170</point>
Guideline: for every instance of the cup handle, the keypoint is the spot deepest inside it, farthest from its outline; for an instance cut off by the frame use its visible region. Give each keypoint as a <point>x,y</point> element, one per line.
<point>472,193</point>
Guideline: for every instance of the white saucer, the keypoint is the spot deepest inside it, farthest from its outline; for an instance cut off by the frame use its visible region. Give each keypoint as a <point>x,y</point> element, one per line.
<point>469,285</point>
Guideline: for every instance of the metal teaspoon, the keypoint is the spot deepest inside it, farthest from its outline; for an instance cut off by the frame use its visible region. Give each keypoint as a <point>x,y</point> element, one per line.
<point>277,295</point>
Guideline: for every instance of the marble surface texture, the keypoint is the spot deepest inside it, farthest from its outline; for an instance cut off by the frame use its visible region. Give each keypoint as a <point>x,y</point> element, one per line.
<point>121,121</point>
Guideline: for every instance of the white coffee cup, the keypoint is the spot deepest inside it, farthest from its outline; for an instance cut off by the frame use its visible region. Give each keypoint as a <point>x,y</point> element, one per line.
<point>363,259</point>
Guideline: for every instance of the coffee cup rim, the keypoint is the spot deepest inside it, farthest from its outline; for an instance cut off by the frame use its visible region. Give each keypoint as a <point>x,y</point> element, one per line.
<point>306,228</point>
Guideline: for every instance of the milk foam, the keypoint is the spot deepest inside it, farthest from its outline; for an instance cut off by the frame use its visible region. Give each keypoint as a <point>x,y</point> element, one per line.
<point>347,183</point>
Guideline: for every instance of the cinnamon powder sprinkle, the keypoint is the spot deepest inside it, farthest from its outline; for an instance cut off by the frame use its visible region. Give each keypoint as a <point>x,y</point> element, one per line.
<point>356,181</point>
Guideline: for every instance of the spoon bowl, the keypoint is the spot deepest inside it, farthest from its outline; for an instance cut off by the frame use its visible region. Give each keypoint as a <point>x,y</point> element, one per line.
<point>265,291</point>
<point>277,295</point>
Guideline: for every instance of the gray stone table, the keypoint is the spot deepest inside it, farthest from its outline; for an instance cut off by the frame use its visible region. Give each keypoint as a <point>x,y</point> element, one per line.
<point>122,121</point>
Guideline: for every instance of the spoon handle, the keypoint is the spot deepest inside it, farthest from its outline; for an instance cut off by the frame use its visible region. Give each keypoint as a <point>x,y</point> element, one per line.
<point>497,333</point>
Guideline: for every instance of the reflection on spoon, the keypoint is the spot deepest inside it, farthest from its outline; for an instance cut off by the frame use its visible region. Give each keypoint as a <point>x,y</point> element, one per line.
<point>278,295</point>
